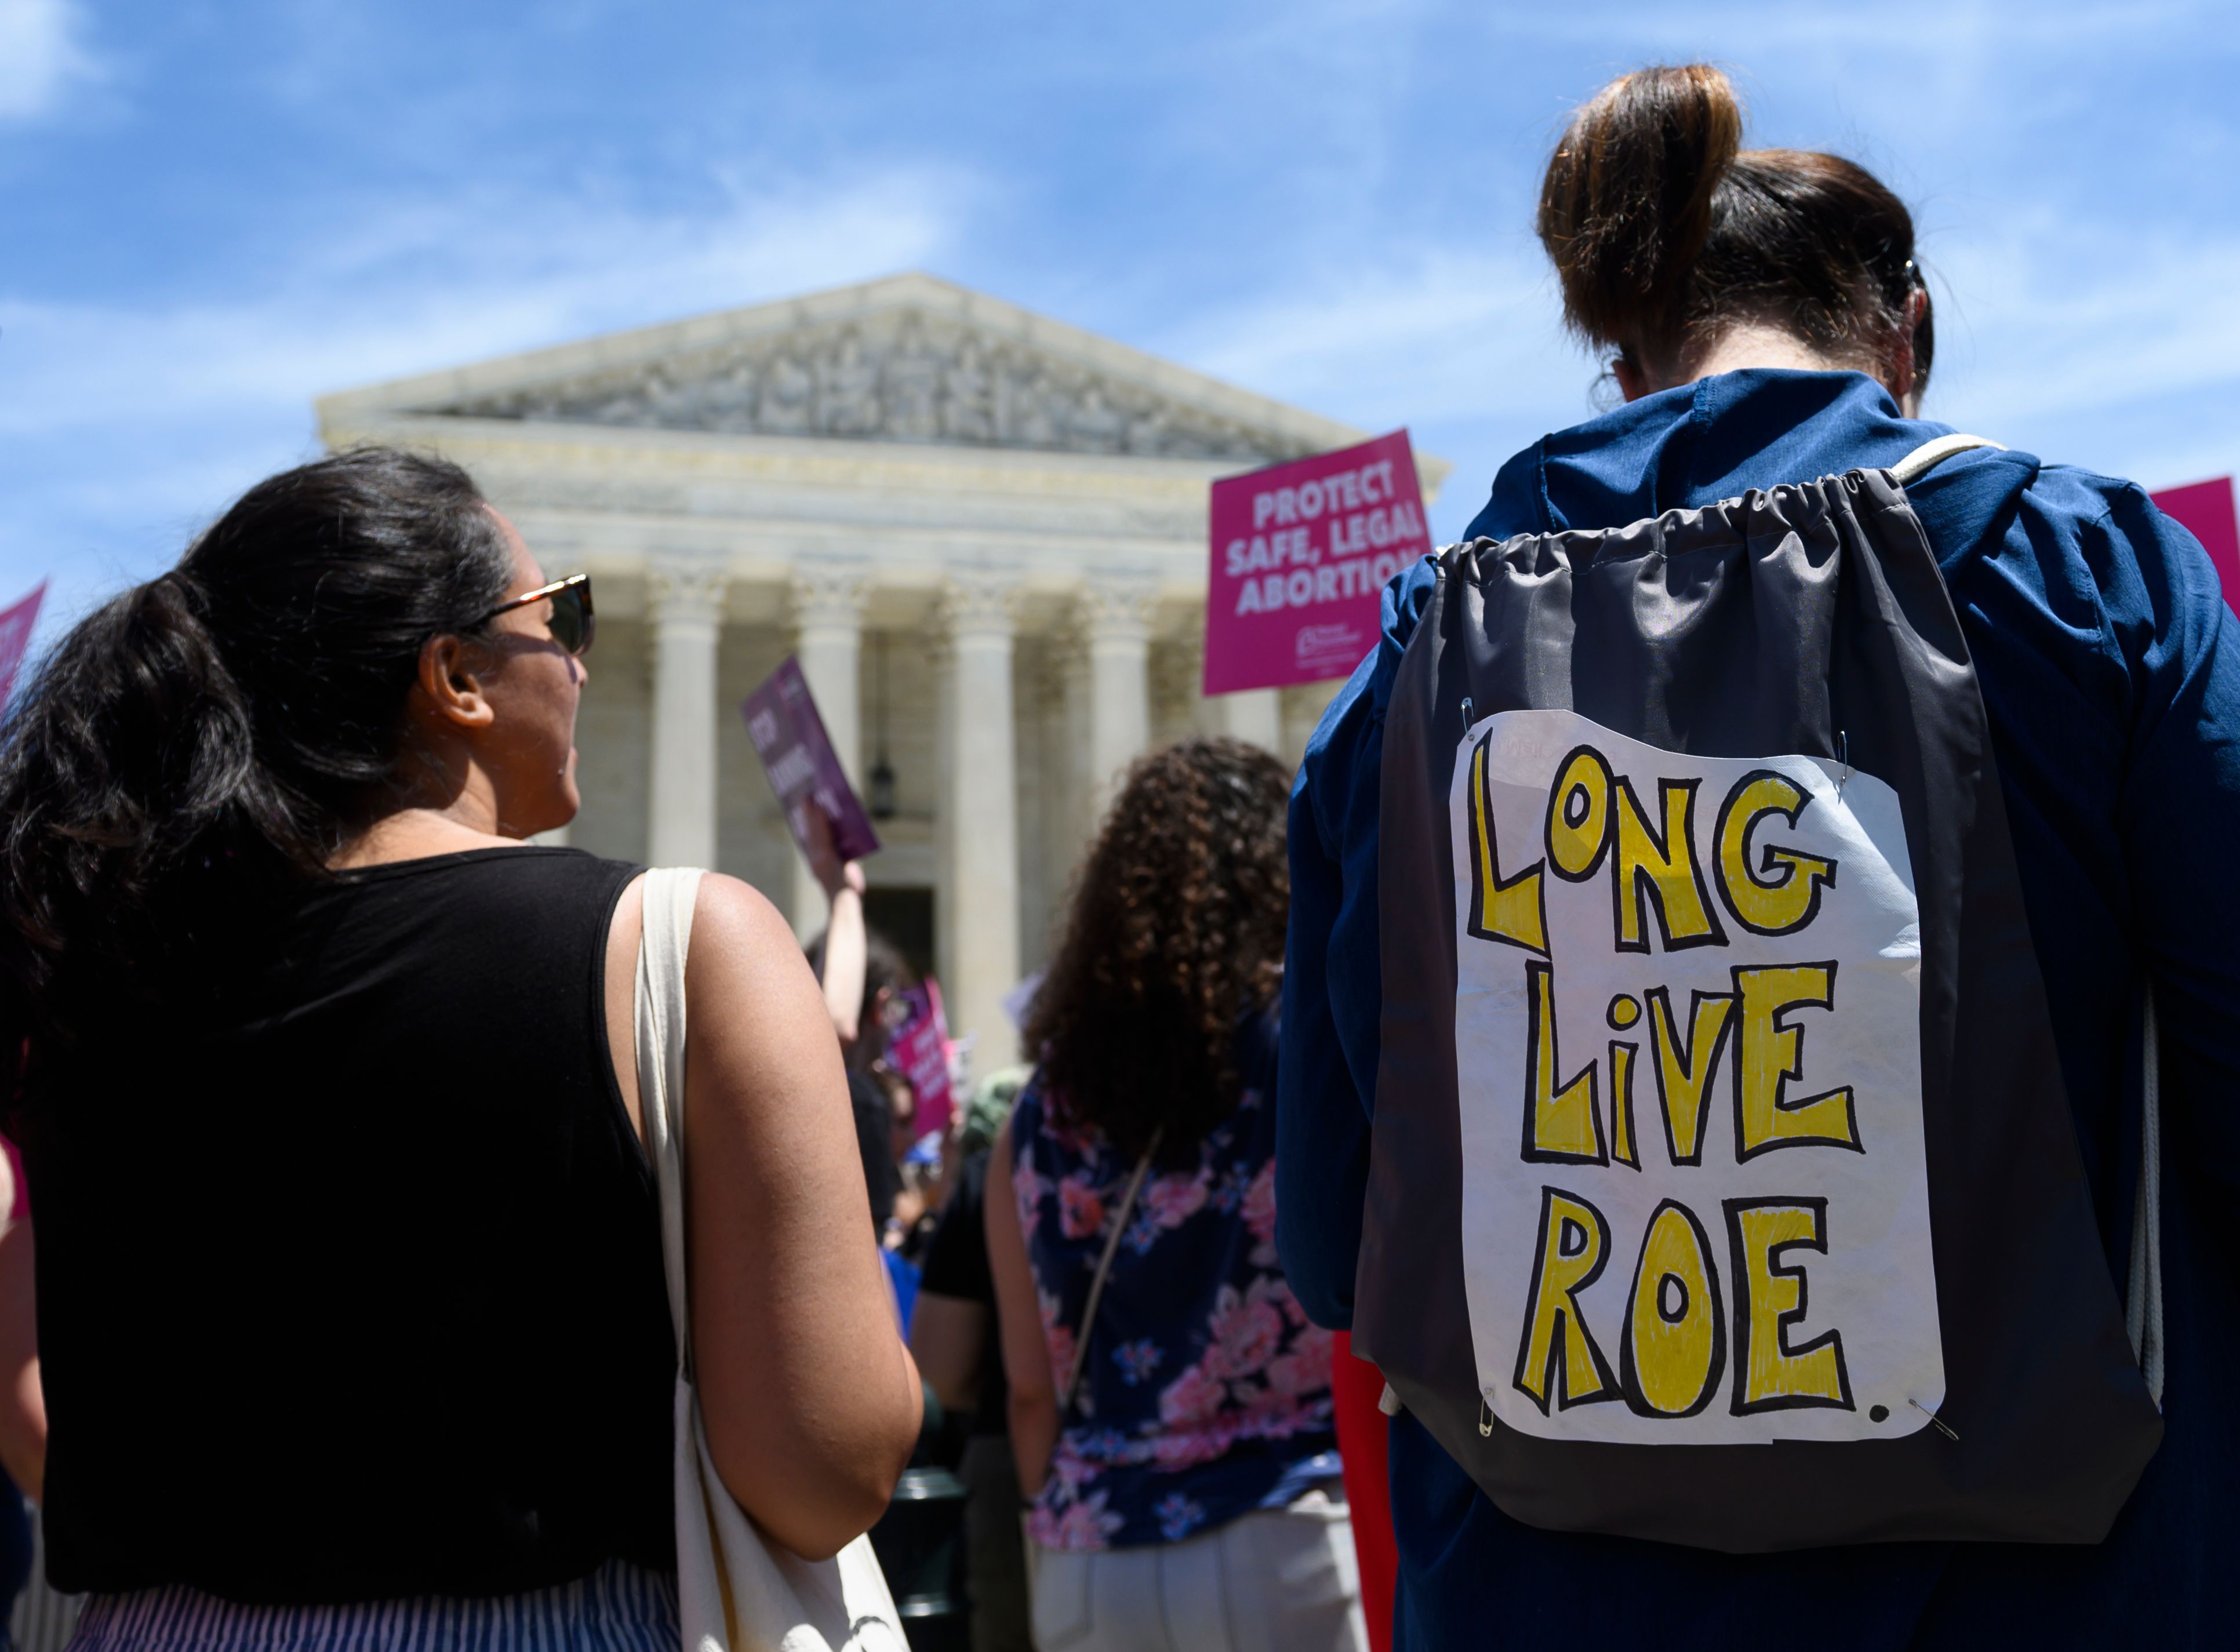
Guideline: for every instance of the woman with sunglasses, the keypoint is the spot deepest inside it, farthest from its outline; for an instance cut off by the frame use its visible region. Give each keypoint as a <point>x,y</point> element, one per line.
<point>353,1323</point>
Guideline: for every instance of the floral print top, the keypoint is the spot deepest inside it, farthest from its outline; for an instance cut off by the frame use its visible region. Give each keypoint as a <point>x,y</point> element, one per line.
<point>1204,1383</point>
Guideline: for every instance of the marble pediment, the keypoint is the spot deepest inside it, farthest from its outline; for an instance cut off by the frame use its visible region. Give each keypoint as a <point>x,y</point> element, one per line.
<point>908,360</point>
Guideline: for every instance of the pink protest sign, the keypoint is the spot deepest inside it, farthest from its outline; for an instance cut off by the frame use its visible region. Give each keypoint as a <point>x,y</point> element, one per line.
<point>1300,552</point>
<point>2204,509</point>
<point>919,1051</point>
<point>15,636</point>
<point>797,753</point>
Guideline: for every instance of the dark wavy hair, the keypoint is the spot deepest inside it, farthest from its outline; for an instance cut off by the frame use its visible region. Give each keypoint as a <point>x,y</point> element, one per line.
<point>1176,931</point>
<point>218,732</point>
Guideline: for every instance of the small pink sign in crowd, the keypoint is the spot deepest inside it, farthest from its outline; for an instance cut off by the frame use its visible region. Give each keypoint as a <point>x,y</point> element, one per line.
<point>918,1049</point>
<point>2205,510</point>
<point>1300,552</point>
<point>16,625</point>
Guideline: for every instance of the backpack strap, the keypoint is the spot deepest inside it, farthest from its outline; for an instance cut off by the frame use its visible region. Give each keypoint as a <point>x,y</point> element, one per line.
<point>1925,458</point>
<point>2143,1301</point>
<point>2142,1298</point>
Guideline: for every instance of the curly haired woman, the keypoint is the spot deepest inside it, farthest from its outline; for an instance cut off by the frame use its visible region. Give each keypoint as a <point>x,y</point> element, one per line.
<point>1170,1405</point>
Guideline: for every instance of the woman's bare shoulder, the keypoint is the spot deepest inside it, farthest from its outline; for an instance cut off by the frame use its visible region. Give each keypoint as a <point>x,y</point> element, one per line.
<point>744,955</point>
<point>733,914</point>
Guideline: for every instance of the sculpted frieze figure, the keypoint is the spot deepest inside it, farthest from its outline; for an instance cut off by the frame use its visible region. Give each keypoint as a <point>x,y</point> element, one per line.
<point>913,386</point>
<point>728,400</point>
<point>783,408</point>
<point>900,378</point>
<point>848,391</point>
<point>968,407</point>
<point>1097,426</point>
<point>1032,410</point>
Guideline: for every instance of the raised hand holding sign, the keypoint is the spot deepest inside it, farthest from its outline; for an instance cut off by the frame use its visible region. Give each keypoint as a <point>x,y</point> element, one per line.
<point>804,770</point>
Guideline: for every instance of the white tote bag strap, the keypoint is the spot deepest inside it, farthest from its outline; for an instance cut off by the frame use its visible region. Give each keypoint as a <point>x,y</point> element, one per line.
<point>665,939</point>
<point>2143,1301</point>
<point>1926,457</point>
<point>735,1590</point>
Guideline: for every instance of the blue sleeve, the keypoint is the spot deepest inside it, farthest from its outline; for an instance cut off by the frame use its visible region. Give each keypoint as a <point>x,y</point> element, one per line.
<point>1326,1080</point>
<point>2178,812</point>
<point>2110,669</point>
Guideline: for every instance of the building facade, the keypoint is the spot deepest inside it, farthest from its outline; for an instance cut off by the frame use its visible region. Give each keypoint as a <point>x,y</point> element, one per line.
<point>982,532</point>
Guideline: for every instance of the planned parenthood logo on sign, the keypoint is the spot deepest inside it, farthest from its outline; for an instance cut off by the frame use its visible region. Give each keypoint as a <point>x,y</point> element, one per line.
<point>1300,552</point>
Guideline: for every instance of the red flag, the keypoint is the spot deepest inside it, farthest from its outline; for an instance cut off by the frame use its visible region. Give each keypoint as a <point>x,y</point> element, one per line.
<point>1356,1387</point>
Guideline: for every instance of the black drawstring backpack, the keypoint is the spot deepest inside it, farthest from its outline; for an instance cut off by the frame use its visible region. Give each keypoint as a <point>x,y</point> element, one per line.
<point>1723,1187</point>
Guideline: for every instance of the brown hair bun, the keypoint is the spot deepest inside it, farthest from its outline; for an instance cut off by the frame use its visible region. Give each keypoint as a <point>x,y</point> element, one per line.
<point>1664,231</point>
<point>1627,201</point>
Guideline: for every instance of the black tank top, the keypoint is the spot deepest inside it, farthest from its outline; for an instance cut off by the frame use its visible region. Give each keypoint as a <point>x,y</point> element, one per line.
<point>353,1289</point>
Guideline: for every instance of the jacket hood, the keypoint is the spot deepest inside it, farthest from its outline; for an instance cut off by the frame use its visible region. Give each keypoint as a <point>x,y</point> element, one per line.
<point>1719,438</point>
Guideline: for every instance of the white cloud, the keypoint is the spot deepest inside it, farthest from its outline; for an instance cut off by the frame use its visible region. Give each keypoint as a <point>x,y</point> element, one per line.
<point>1436,335</point>
<point>42,55</point>
<point>416,285</point>
<point>2046,334</point>
<point>124,427</point>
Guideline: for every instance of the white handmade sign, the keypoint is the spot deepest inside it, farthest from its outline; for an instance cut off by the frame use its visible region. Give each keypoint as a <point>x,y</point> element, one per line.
<point>1687,1034</point>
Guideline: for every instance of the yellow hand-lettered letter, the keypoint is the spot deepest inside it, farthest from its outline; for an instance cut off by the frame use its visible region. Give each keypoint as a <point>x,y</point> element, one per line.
<point>1558,1359</point>
<point>1622,1148</point>
<point>1683,1067</point>
<point>1513,910</point>
<point>1563,1120</point>
<point>1674,1348</point>
<point>1769,1053</point>
<point>1769,1298</point>
<point>1578,814</point>
<point>1783,893</point>
<point>1661,872</point>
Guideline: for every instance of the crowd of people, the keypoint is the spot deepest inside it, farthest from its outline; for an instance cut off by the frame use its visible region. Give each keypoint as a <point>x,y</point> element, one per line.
<point>351,1328</point>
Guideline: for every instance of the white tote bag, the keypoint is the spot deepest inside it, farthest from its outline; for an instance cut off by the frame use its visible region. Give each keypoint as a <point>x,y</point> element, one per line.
<point>736,1591</point>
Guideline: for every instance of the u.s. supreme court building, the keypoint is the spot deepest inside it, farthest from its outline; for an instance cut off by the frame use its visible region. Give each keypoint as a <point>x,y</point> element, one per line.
<point>983,532</point>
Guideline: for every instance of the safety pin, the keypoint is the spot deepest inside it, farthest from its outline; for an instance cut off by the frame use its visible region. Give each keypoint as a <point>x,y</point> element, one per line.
<point>1942,1427</point>
<point>1843,757</point>
<point>1484,1419</point>
<point>1468,708</point>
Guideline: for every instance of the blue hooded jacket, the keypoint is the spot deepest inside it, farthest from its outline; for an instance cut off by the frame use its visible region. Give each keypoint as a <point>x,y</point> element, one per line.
<point>2109,667</point>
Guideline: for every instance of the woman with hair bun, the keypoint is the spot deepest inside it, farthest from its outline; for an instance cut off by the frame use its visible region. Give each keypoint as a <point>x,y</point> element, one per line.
<point>1764,316</point>
<point>351,1306</point>
<point>1169,1403</point>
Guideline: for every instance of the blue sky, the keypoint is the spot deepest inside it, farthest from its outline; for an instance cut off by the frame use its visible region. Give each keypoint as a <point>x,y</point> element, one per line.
<point>215,213</point>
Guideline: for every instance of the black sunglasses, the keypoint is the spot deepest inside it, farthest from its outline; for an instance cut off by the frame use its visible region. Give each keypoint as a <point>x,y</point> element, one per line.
<point>572,623</point>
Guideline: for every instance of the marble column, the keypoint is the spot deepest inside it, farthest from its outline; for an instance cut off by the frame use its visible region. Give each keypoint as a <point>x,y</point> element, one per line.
<point>1116,630</point>
<point>1256,715</point>
<point>827,614</point>
<point>686,604</point>
<point>1077,781</point>
<point>979,914</point>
